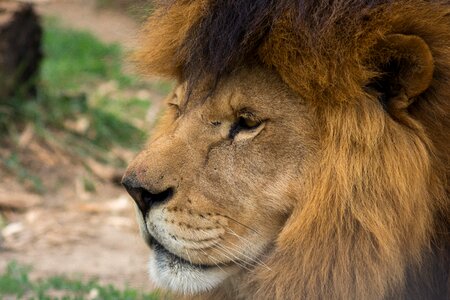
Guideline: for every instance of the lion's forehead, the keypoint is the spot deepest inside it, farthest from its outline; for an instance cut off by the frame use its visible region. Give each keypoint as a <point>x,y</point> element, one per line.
<point>259,90</point>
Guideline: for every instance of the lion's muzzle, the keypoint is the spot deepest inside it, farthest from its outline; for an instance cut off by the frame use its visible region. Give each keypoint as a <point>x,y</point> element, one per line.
<point>143,197</point>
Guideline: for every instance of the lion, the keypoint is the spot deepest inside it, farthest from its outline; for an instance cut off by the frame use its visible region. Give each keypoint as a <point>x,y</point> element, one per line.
<point>304,153</point>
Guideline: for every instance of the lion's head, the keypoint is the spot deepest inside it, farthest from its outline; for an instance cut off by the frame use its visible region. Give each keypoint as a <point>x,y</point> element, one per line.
<point>219,178</point>
<point>304,152</point>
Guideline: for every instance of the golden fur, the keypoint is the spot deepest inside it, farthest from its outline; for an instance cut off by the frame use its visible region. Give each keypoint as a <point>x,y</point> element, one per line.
<point>344,182</point>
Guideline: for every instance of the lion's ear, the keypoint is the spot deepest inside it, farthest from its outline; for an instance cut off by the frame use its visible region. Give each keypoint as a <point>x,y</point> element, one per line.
<point>404,65</point>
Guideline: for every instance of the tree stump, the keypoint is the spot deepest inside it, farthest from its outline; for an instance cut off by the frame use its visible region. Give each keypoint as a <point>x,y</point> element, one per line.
<point>20,48</point>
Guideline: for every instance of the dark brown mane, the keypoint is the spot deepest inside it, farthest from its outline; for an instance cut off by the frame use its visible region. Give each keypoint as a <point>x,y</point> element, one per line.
<point>230,32</point>
<point>208,39</point>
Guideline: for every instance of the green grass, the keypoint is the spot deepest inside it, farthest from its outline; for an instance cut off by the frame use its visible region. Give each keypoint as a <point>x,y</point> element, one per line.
<point>15,283</point>
<point>75,58</point>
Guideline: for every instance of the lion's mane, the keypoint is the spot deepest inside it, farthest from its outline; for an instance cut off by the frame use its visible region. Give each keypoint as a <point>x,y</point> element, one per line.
<point>374,219</point>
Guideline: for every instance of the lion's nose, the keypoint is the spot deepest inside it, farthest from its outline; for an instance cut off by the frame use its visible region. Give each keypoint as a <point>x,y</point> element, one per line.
<point>144,197</point>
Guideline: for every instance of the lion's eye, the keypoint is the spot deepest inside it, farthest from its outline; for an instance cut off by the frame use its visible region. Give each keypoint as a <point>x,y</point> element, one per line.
<point>243,124</point>
<point>248,124</point>
<point>176,108</point>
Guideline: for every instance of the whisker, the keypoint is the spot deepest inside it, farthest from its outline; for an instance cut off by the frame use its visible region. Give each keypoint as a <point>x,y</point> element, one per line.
<point>228,252</point>
<point>236,253</point>
<point>189,257</point>
<point>240,251</point>
<point>231,259</point>
<point>247,243</point>
<point>251,260</point>
<point>214,261</point>
<point>237,258</point>
<point>242,224</point>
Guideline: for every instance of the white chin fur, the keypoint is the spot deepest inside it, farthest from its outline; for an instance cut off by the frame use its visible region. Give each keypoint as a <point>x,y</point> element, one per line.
<point>183,278</point>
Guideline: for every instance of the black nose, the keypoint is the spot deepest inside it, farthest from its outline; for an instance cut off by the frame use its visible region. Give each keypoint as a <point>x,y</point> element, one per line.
<point>143,197</point>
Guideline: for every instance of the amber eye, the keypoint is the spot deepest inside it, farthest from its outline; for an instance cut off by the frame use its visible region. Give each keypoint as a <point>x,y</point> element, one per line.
<point>248,124</point>
<point>242,124</point>
<point>176,108</point>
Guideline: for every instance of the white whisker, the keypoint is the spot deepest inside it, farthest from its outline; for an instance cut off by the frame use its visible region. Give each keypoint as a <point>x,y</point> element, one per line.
<point>247,243</point>
<point>240,251</point>
<point>221,252</point>
<point>246,226</point>
<point>214,261</point>
<point>189,257</point>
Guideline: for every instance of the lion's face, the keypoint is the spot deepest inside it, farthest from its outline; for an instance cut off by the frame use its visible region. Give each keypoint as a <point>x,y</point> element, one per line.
<point>214,184</point>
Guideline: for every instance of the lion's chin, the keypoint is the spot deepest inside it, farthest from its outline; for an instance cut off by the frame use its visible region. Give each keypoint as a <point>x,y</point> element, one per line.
<point>178,275</point>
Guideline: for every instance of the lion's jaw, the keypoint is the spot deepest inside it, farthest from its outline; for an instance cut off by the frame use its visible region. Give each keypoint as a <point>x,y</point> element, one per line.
<point>177,274</point>
<point>231,186</point>
<point>183,278</point>
<point>171,265</point>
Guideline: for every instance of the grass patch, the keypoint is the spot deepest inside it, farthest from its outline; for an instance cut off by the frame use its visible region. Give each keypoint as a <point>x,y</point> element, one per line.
<point>75,58</point>
<point>16,284</point>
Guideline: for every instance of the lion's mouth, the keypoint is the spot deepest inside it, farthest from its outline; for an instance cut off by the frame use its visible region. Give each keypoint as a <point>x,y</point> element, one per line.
<point>176,273</point>
<point>174,260</point>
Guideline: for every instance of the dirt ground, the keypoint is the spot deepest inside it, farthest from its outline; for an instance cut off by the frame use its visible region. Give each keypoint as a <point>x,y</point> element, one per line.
<point>107,24</point>
<point>70,231</point>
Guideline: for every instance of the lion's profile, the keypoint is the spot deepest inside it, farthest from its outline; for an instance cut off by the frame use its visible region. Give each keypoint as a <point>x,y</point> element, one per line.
<point>305,152</point>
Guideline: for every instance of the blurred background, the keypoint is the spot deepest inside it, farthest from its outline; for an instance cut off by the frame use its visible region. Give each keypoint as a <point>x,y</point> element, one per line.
<point>73,112</point>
